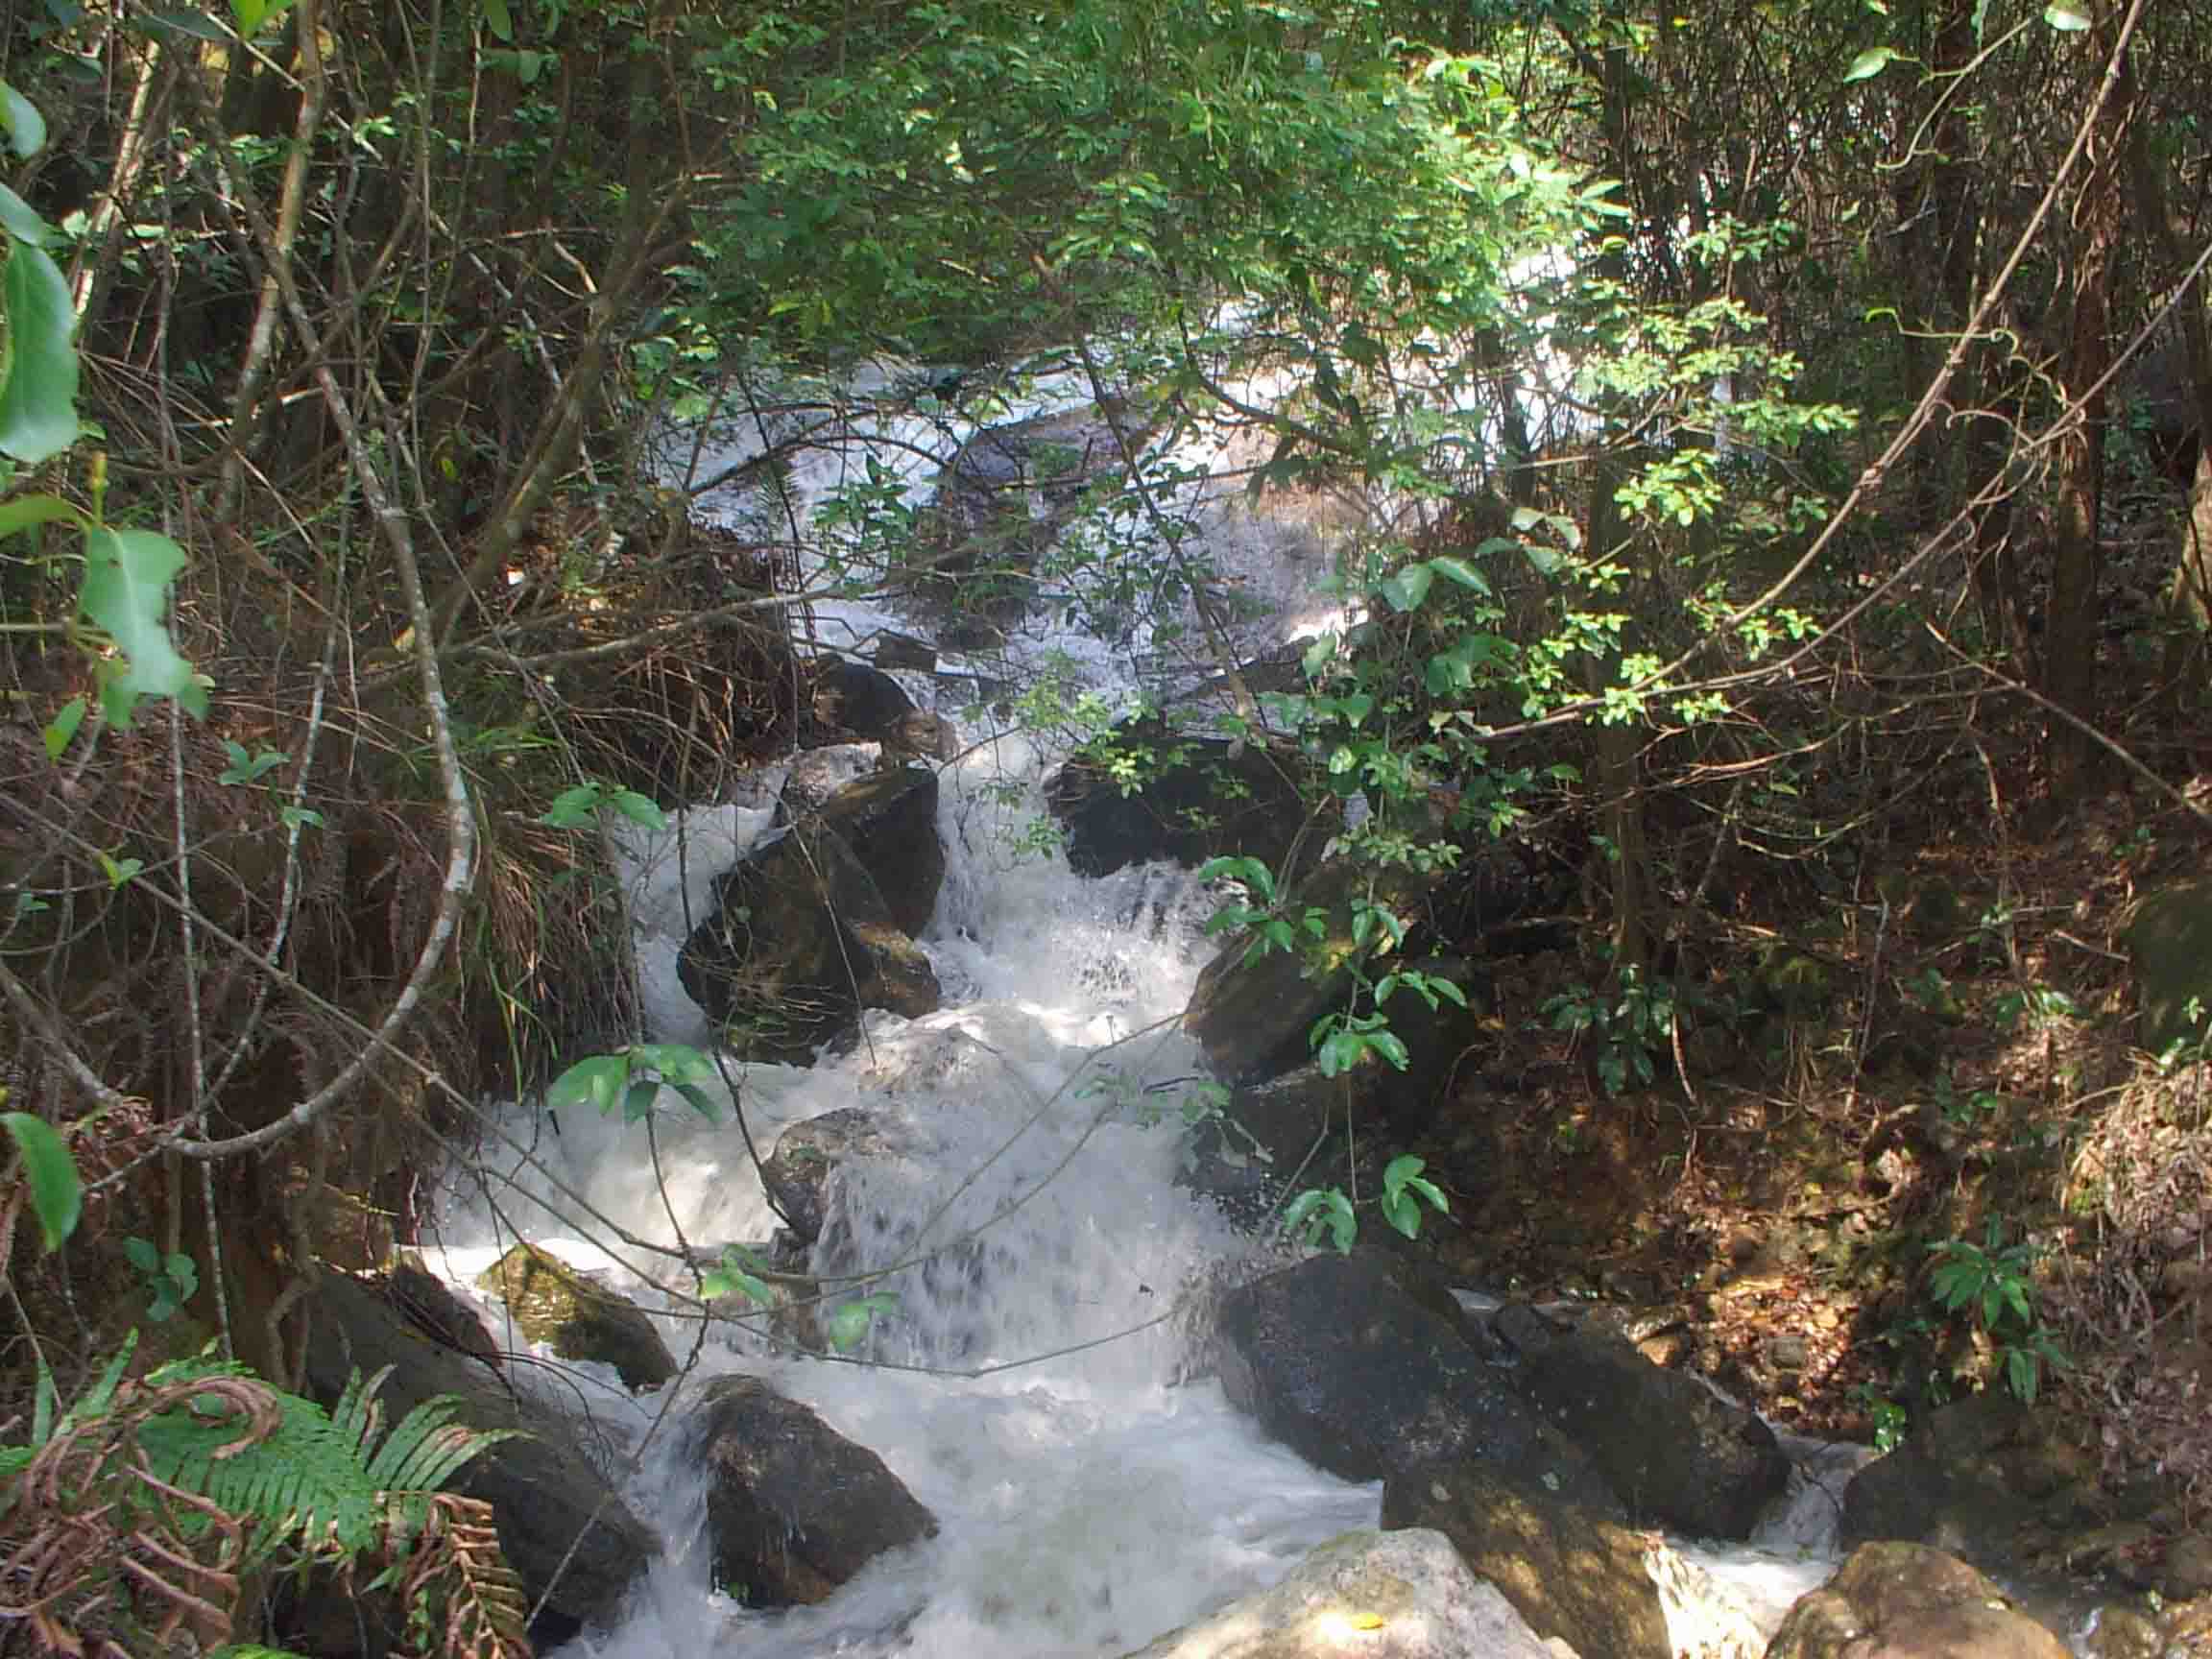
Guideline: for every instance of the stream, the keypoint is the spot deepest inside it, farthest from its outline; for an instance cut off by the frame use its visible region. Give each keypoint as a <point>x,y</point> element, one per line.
<point>1033,1386</point>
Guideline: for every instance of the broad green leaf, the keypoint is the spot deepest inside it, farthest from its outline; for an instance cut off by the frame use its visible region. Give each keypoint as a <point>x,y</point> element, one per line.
<point>1391,1047</point>
<point>701,1101</point>
<point>1316,1211</point>
<point>2067,19</point>
<point>25,510</point>
<point>732,1280</point>
<point>597,1082</point>
<point>39,396</point>
<point>499,20</point>
<point>1406,589</point>
<point>572,808</point>
<point>248,14</point>
<point>26,126</point>
<point>677,1062</point>
<point>1868,64</point>
<point>57,1196</point>
<point>194,25</point>
<point>638,1099</point>
<point>640,810</point>
<point>119,870</point>
<point>64,728</point>
<point>127,577</point>
<point>1458,569</point>
<point>851,1320</point>
<point>20,219</point>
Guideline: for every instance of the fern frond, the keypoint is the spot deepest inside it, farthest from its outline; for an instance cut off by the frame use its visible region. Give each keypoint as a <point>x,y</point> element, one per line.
<point>305,1479</point>
<point>467,1603</point>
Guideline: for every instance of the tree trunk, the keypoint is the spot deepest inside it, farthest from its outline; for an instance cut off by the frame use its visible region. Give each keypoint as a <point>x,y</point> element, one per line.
<point>2073,626</point>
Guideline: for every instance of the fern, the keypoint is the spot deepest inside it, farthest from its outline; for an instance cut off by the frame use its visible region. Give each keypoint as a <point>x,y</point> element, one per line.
<point>145,1503</point>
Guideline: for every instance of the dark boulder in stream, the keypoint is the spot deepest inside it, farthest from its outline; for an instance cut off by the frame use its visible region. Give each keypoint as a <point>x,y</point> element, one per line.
<point>800,940</point>
<point>1153,793</point>
<point>1341,1360</point>
<point>793,1508</point>
<point>562,1528</point>
<point>797,1173</point>
<point>1677,1453</point>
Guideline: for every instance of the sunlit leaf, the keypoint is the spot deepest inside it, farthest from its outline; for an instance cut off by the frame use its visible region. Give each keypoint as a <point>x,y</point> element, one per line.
<point>1870,63</point>
<point>597,1082</point>
<point>61,730</point>
<point>499,20</point>
<point>38,396</point>
<point>26,126</point>
<point>127,577</point>
<point>2067,19</point>
<point>56,1195</point>
<point>25,510</point>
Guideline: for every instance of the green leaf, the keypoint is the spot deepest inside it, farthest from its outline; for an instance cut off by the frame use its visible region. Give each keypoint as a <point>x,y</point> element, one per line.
<point>701,1101</point>
<point>499,20</point>
<point>20,219</point>
<point>677,1062</point>
<point>56,1195</point>
<point>2067,20</point>
<point>248,14</point>
<point>193,25</point>
<point>640,809</point>
<point>1317,1212</point>
<point>126,591</point>
<point>26,126</point>
<point>1391,1047</point>
<point>849,1324</point>
<point>1868,64</point>
<point>1406,589</point>
<point>1452,566</point>
<point>63,728</point>
<point>638,1099</point>
<point>293,817</point>
<point>572,808</point>
<point>25,510</point>
<point>119,870</point>
<point>142,1254</point>
<point>39,396</point>
<point>597,1082</point>
<point>1340,1051</point>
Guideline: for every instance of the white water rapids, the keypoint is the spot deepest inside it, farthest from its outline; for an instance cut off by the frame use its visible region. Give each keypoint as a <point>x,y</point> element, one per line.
<point>1089,1495</point>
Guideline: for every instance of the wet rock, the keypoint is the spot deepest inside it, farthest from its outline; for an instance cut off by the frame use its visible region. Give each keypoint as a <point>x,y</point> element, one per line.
<point>435,1310</point>
<point>798,1173</point>
<point>1674,1451</point>
<point>1570,1572</point>
<point>2117,1632</point>
<point>1970,1478</point>
<point>1292,1124</point>
<point>562,1528</point>
<point>1159,795</point>
<point>1341,1360</point>
<point>1252,1014</point>
<point>553,1304</point>
<point>889,819</point>
<point>800,941</point>
<point>2170,941</point>
<point>2185,1572</point>
<point>856,698</point>
<point>1391,1595</point>
<point>815,776</point>
<point>793,1508</point>
<point>1908,1602</point>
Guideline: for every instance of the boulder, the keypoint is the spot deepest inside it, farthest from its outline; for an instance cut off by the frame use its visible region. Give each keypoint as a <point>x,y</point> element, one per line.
<point>793,1508</point>
<point>1347,1365</point>
<point>1292,1125</point>
<point>856,698</point>
<point>800,941</point>
<point>1253,1014</point>
<point>434,1309</point>
<point>1907,1601</point>
<point>1388,1594</point>
<point>562,1526</point>
<point>889,819</point>
<point>2170,941</point>
<point>553,1304</point>
<point>1677,1453</point>
<point>797,1173</point>
<point>1568,1572</point>
<point>1970,1478</point>
<point>1147,793</point>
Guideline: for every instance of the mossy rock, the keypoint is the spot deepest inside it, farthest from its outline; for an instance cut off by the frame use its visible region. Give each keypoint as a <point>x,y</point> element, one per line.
<point>554,1304</point>
<point>2171,942</point>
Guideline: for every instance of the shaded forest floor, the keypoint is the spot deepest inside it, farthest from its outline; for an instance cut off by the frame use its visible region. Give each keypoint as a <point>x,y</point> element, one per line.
<point>1956,1060</point>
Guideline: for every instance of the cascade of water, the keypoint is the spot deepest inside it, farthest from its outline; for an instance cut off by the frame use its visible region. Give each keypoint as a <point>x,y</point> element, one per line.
<point>1090,1498</point>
